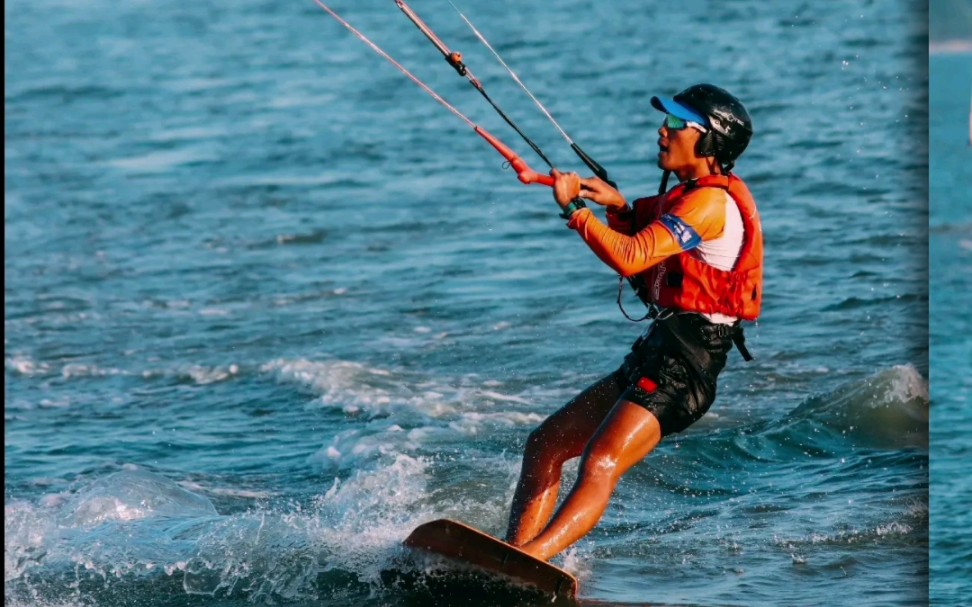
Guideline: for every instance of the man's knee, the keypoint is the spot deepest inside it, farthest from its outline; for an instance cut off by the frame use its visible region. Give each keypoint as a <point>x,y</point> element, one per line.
<point>598,465</point>
<point>542,439</point>
<point>547,443</point>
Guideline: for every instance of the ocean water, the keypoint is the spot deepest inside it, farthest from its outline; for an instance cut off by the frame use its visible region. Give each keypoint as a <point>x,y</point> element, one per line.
<point>950,247</point>
<point>268,306</point>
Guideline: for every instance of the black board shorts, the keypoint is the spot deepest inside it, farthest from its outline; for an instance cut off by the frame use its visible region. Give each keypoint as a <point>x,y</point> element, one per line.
<point>675,378</point>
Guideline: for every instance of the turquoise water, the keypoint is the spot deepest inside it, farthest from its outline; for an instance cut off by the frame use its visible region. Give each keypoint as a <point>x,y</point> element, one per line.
<point>268,307</point>
<point>950,246</point>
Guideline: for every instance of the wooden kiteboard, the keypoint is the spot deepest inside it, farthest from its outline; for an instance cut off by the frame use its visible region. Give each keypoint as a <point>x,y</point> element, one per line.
<point>496,558</point>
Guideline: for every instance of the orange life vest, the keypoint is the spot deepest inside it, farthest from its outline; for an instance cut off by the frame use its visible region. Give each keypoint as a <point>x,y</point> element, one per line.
<point>682,282</point>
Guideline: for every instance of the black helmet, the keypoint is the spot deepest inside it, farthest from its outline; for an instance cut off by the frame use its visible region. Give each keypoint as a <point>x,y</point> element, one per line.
<point>729,126</point>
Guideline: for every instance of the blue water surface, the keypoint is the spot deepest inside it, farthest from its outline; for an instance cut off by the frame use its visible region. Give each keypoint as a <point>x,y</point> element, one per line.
<point>268,306</point>
<point>950,246</point>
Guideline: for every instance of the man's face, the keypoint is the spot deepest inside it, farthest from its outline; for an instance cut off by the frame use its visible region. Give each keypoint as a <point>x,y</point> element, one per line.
<point>676,146</point>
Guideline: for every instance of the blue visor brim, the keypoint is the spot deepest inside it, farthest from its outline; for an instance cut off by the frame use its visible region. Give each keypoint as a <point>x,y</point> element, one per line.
<point>670,106</point>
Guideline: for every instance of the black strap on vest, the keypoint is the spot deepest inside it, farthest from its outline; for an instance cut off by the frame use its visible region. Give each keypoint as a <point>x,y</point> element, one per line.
<point>739,339</point>
<point>670,321</point>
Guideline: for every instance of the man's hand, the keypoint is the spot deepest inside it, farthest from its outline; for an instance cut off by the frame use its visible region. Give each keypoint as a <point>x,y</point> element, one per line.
<point>566,187</point>
<point>597,190</point>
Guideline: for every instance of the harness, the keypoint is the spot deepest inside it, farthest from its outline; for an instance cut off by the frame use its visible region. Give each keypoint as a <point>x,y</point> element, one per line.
<point>669,320</point>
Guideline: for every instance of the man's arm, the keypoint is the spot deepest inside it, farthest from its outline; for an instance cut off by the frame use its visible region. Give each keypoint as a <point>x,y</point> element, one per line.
<point>700,216</point>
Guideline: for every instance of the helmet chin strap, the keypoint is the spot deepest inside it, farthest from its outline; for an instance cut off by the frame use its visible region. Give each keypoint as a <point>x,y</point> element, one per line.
<point>715,166</point>
<point>664,182</point>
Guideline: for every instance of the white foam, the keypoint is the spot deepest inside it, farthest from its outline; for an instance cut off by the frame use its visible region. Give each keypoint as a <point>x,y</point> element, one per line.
<point>226,491</point>
<point>199,374</point>
<point>72,370</point>
<point>132,495</point>
<point>357,388</point>
<point>337,382</point>
<point>906,384</point>
<point>25,534</point>
<point>893,528</point>
<point>356,448</point>
<point>159,161</point>
<point>215,312</point>
<point>25,365</point>
<point>472,422</point>
<point>210,375</point>
<point>363,519</point>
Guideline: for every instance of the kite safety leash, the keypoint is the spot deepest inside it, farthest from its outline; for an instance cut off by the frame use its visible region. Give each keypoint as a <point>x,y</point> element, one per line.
<point>523,172</point>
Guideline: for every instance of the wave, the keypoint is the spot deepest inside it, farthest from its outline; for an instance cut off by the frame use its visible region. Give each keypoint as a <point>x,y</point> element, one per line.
<point>888,410</point>
<point>25,366</point>
<point>403,412</point>
<point>829,443</point>
<point>140,535</point>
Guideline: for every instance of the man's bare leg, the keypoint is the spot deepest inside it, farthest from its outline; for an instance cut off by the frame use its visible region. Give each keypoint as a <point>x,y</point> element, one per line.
<point>561,437</point>
<point>629,433</point>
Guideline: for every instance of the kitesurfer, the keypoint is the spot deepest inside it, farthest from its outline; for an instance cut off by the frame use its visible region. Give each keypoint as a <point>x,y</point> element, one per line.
<point>695,256</point>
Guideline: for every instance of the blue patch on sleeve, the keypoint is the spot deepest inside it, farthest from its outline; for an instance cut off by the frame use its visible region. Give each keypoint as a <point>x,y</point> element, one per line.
<point>684,234</point>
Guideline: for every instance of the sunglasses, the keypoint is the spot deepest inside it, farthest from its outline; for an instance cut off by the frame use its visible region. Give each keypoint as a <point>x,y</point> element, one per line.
<point>674,123</point>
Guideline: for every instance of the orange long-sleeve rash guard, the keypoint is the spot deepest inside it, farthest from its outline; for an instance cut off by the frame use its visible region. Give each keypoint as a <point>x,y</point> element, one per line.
<point>698,217</point>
